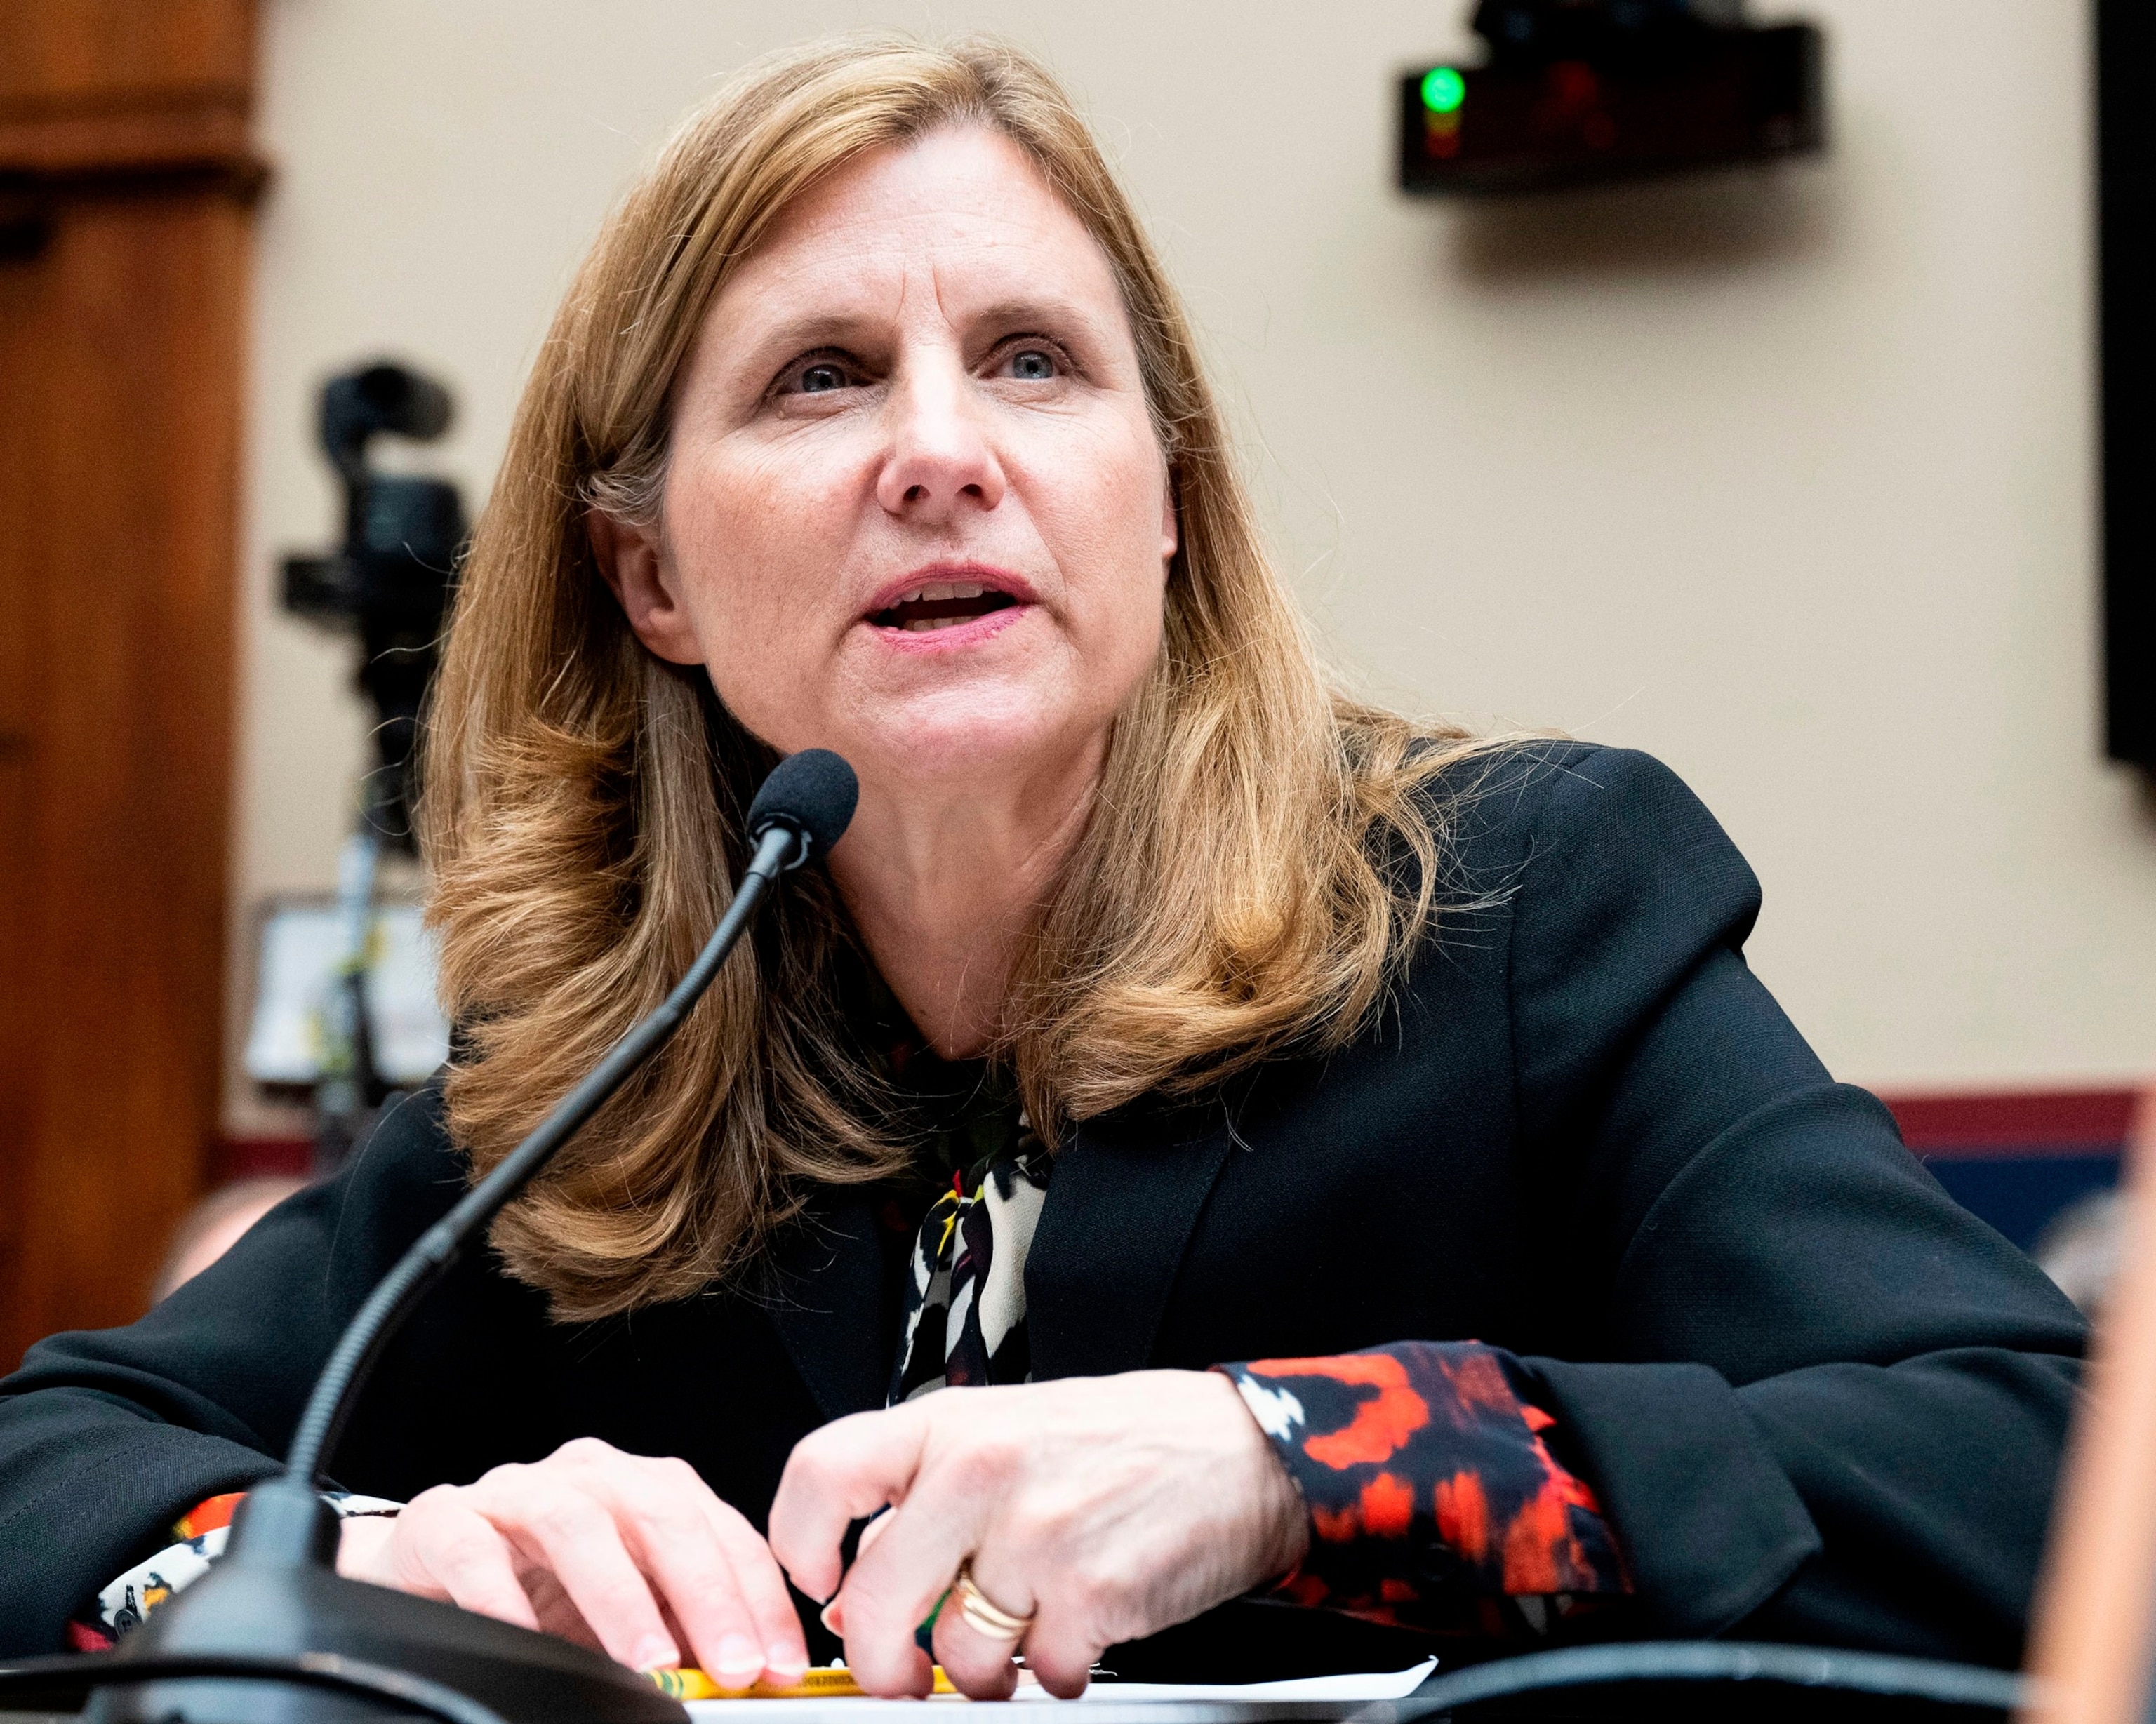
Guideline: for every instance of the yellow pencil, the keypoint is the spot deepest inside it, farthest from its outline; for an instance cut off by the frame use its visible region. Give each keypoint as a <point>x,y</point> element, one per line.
<point>690,1683</point>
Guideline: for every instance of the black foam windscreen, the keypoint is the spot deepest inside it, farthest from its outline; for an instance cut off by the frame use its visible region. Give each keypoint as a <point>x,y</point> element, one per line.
<point>814,791</point>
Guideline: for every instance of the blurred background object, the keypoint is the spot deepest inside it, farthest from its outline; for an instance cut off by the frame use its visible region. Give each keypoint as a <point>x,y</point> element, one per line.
<point>2082,1248</point>
<point>388,586</point>
<point>1581,92</point>
<point>305,947</point>
<point>2093,1632</point>
<point>214,1226</point>
<point>2022,1159</point>
<point>2126,205</point>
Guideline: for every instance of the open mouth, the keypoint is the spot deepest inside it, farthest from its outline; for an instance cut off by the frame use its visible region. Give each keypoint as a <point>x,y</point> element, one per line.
<point>940,604</point>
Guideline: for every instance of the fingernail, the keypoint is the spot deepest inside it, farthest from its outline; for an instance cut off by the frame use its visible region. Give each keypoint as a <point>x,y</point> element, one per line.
<point>830,1617</point>
<point>738,1657</point>
<point>656,1655</point>
<point>785,1662</point>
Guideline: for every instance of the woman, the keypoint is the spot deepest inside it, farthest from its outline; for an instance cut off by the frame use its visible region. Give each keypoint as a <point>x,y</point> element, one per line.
<point>1350,1168</point>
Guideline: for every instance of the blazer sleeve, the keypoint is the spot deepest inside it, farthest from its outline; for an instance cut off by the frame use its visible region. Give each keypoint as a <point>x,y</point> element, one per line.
<point>1817,1400</point>
<point>107,1436</point>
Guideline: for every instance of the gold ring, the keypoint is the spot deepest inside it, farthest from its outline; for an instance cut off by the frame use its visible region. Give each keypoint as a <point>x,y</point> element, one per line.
<point>983,1614</point>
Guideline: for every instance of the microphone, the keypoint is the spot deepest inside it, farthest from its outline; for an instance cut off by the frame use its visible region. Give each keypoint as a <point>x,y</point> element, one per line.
<point>276,1594</point>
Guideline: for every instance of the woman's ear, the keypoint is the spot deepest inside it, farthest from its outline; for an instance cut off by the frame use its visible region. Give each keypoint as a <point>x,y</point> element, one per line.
<point>630,563</point>
<point>1171,533</point>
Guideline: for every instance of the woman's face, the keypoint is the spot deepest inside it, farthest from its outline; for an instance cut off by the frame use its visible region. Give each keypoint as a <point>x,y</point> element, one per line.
<point>916,509</point>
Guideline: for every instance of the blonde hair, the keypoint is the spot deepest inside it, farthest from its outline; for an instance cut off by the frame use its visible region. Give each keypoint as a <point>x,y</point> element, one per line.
<point>1261,855</point>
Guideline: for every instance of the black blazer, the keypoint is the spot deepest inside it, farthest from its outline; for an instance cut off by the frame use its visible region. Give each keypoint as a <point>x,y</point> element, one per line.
<point>1817,1400</point>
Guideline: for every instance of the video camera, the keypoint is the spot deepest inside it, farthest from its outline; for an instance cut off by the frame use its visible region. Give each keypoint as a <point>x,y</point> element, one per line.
<point>390,581</point>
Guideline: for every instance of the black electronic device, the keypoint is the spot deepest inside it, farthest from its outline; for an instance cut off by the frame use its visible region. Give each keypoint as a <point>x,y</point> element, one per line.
<point>2125,197</point>
<point>1576,91</point>
<point>389,582</point>
<point>276,1599</point>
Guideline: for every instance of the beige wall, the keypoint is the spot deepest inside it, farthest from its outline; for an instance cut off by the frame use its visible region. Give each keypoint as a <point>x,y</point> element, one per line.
<point>1785,476</point>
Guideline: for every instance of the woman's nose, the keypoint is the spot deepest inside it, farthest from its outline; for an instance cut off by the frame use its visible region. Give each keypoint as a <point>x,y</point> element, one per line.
<point>940,461</point>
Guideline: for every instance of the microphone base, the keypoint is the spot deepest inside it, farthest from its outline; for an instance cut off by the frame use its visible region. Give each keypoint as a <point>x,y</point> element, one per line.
<point>263,1608</point>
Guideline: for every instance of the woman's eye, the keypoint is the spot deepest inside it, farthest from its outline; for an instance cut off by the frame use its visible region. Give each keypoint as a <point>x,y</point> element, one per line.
<point>1032,365</point>
<point>811,375</point>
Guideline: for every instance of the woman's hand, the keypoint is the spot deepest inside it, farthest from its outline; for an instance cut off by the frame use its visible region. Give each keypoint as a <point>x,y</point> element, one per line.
<point>1106,1508</point>
<point>632,1555</point>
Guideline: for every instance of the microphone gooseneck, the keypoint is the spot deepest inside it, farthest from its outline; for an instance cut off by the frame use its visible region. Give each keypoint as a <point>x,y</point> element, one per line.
<point>801,811</point>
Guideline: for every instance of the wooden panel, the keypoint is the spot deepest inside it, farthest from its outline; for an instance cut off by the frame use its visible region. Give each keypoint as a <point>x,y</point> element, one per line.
<point>126,89</point>
<point>206,136</point>
<point>68,51</point>
<point>19,1040</point>
<point>122,293</point>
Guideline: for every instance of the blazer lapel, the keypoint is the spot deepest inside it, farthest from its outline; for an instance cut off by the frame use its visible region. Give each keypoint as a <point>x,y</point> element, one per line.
<point>825,1299</point>
<point>1122,1198</point>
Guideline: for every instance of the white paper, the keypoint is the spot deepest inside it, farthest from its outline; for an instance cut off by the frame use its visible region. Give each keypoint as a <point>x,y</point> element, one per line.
<point>1357,1685</point>
<point>1143,1702</point>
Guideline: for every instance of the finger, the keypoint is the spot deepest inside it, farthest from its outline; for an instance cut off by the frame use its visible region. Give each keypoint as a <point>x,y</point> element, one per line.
<point>661,1508</point>
<point>871,1531</point>
<point>832,1616</point>
<point>896,1582</point>
<point>849,1469</point>
<point>1059,1648</point>
<point>558,1615</point>
<point>1059,1652</point>
<point>763,1590</point>
<point>978,1666</point>
<point>365,1548</point>
<point>444,1550</point>
<point>577,1539</point>
<point>712,1570</point>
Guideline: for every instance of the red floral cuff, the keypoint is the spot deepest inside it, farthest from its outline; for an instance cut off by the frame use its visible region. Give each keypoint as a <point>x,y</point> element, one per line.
<point>1434,1502</point>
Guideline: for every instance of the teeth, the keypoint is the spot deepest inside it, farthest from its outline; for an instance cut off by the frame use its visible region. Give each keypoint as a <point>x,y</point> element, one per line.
<point>928,625</point>
<point>941,589</point>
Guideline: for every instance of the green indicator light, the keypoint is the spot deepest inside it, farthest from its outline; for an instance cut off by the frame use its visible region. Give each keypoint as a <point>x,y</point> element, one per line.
<point>1442,89</point>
